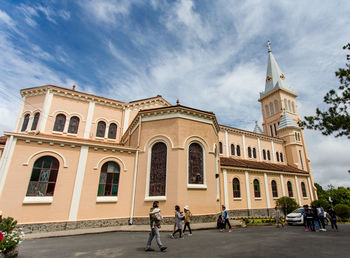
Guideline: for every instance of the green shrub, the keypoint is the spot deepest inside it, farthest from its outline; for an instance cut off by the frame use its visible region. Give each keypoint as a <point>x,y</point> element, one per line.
<point>12,235</point>
<point>342,210</point>
<point>321,203</point>
<point>286,205</point>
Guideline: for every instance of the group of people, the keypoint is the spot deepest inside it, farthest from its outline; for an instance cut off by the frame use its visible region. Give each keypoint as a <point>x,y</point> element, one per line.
<point>314,219</point>
<point>224,220</point>
<point>155,219</point>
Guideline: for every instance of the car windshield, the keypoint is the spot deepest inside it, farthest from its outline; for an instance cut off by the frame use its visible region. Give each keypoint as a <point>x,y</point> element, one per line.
<point>298,211</point>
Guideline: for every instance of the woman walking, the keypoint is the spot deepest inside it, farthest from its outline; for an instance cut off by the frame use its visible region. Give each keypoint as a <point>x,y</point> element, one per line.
<point>178,219</point>
<point>188,215</point>
<point>226,218</point>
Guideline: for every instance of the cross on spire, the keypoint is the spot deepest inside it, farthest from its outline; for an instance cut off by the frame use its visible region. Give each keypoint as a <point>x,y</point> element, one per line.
<point>268,46</point>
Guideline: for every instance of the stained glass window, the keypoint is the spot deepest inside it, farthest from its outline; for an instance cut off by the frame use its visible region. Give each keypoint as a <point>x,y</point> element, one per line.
<point>158,170</point>
<point>290,189</point>
<point>25,123</point>
<point>35,121</point>
<point>101,129</point>
<point>73,125</point>
<point>256,188</point>
<point>112,132</point>
<point>236,188</point>
<point>109,179</point>
<point>59,123</point>
<point>303,189</point>
<point>274,188</point>
<point>195,164</point>
<point>43,177</point>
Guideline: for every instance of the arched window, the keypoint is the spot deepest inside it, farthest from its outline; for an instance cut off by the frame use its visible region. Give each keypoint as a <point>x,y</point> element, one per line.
<point>25,123</point>
<point>101,129</point>
<point>109,179</point>
<point>158,170</point>
<point>274,189</point>
<point>271,109</point>
<point>293,107</point>
<point>276,106</point>
<point>59,123</point>
<point>249,152</point>
<point>303,189</point>
<point>236,188</point>
<point>220,147</point>
<point>277,156</point>
<point>285,104</point>
<point>238,150</point>
<point>195,164</point>
<point>267,110</point>
<point>254,153</point>
<point>296,136</point>
<point>35,121</point>
<point>264,154</point>
<point>290,189</point>
<point>73,125</point>
<point>43,177</point>
<point>112,131</point>
<point>268,155</point>
<point>232,149</point>
<point>256,188</point>
<point>281,157</point>
<point>289,106</point>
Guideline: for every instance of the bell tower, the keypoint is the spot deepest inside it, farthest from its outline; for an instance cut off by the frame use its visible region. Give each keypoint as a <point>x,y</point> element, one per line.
<point>280,114</point>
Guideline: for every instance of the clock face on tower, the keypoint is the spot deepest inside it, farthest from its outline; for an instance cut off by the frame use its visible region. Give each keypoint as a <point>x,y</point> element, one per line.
<point>282,76</point>
<point>268,78</point>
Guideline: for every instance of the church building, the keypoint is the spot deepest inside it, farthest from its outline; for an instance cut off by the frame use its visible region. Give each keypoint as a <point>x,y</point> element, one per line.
<point>78,157</point>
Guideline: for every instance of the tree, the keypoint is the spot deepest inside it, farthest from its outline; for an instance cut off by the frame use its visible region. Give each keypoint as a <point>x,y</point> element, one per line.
<point>321,203</point>
<point>286,204</point>
<point>337,118</point>
<point>342,210</point>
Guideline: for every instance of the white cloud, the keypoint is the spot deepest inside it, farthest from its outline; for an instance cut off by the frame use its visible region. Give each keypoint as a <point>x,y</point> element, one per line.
<point>4,18</point>
<point>107,11</point>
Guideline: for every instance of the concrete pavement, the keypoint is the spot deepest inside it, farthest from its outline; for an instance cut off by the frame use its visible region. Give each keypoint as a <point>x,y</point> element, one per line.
<point>267,241</point>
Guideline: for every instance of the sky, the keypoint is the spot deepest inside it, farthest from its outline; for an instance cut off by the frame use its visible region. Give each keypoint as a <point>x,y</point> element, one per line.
<point>212,55</point>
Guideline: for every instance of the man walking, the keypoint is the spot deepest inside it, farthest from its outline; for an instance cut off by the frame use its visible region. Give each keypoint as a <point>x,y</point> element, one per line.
<point>155,218</point>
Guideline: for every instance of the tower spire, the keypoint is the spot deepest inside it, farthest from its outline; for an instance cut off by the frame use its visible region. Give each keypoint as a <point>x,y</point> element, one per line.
<point>274,77</point>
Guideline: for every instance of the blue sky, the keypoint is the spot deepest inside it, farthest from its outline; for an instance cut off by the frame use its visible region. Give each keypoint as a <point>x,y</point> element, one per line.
<point>211,55</point>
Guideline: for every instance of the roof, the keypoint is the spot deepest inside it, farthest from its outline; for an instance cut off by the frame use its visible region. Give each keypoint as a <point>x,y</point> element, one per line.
<point>242,163</point>
<point>286,121</point>
<point>274,77</point>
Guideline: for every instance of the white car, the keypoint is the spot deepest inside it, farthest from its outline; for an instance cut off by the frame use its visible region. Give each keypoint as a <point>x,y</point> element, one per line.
<point>297,217</point>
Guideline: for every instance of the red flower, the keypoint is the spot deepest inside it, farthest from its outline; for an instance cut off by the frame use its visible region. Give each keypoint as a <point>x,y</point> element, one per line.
<point>1,237</point>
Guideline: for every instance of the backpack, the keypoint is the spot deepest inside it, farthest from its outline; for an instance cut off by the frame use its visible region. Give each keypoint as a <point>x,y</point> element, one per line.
<point>320,212</point>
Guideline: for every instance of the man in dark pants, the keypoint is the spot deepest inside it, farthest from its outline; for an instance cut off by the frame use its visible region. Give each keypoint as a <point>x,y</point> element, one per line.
<point>155,218</point>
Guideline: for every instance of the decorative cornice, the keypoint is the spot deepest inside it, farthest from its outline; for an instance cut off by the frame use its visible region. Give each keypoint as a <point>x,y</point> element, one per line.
<point>72,142</point>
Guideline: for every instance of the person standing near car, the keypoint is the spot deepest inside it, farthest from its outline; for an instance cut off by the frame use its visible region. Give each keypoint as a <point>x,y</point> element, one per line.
<point>316,219</point>
<point>278,218</point>
<point>155,218</point>
<point>333,218</point>
<point>309,220</point>
<point>321,218</point>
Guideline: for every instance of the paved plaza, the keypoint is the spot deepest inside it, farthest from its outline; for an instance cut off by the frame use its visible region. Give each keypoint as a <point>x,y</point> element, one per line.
<point>259,241</point>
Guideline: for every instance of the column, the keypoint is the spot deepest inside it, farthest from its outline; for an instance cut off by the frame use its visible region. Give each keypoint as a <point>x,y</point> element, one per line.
<point>244,150</point>
<point>248,191</point>
<point>259,148</point>
<point>225,189</point>
<point>282,184</point>
<point>78,185</point>
<point>298,192</point>
<point>20,116</point>
<point>89,120</point>
<point>45,111</point>
<point>217,175</point>
<point>227,148</point>
<point>273,152</point>
<point>267,191</point>
<point>310,188</point>
<point>134,188</point>
<point>6,161</point>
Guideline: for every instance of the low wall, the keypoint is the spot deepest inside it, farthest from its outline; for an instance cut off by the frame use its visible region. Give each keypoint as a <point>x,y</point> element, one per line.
<point>101,223</point>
